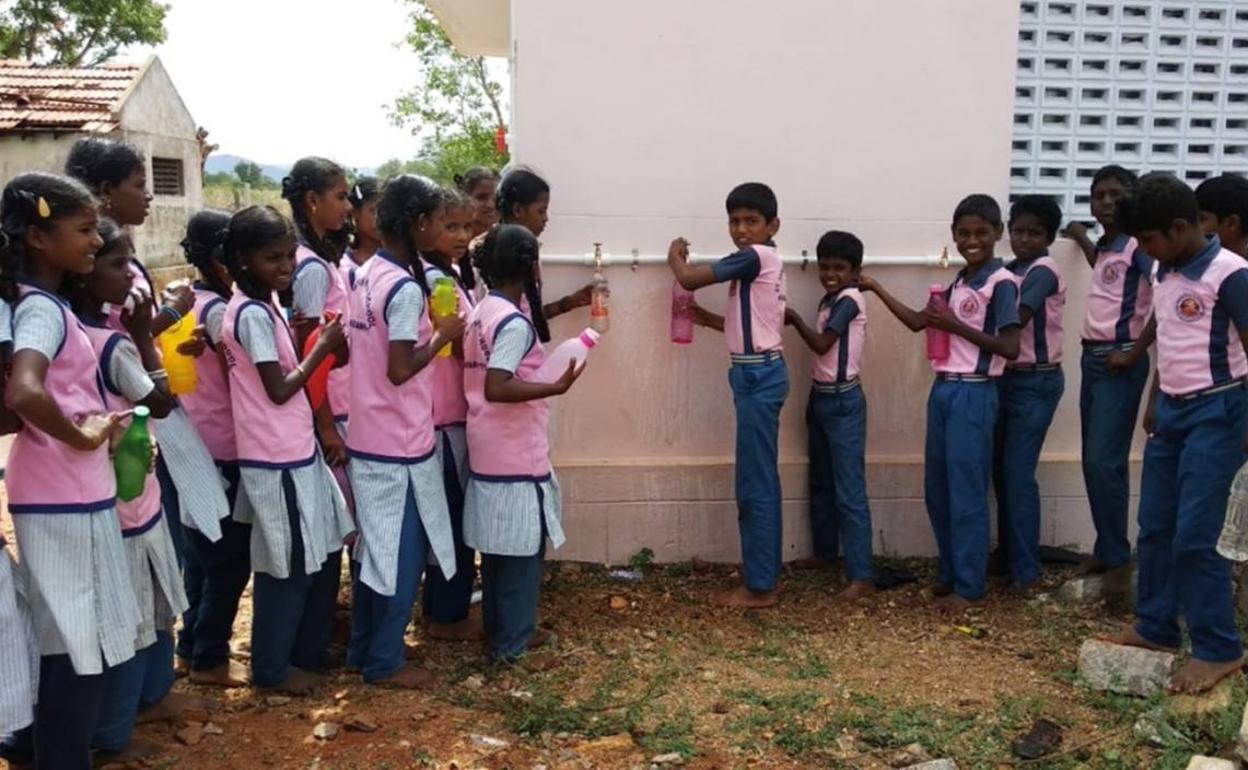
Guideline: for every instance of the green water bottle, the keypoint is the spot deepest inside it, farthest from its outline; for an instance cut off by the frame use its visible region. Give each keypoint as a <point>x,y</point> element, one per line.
<point>134,456</point>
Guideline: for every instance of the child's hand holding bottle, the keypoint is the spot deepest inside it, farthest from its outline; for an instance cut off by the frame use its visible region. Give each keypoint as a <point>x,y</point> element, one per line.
<point>447,329</point>
<point>331,338</point>
<point>95,429</point>
<point>571,375</point>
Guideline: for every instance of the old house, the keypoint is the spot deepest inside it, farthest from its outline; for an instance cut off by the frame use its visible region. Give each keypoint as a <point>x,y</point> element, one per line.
<point>43,110</point>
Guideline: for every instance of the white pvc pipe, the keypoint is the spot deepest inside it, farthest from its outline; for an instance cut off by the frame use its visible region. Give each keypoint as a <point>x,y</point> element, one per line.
<point>629,260</point>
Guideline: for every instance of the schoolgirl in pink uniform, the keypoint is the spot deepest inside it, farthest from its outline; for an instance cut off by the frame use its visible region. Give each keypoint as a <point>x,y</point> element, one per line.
<point>365,239</point>
<point>512,504</point>
<point>61,487</point>
<point>982,319</point>
<point>395,463</point>
<point>446,603</point>
<point>301,518</point>
<point>221,551</point>
<point>132,376</point>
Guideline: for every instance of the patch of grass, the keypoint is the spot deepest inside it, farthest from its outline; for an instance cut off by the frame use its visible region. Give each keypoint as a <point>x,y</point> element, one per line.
<point>643,560</point>
<point>671,733</point>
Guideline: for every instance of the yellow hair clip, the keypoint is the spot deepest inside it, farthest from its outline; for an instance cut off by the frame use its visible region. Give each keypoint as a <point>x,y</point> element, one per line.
<point>45,210</point>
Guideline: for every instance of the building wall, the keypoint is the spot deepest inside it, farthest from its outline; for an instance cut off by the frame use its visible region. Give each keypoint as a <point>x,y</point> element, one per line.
<point>156,121</point>
<point>867,115</point>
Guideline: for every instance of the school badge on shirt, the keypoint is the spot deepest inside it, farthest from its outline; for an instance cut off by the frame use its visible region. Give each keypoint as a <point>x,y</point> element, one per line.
<point>969,306</point>
<point>1111,273</point>
<point>1189,308</point>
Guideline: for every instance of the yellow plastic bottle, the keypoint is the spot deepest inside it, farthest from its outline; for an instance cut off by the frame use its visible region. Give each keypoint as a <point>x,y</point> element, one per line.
<point>443,303</point>
<point>181,368</point>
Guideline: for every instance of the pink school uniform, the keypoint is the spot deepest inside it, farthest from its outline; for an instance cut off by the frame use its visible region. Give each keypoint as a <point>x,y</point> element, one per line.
<point>754,318</point>
<point>335,300</point>
<point>154,572</point>
<point>450,405</point>
<point>843,361</point>
<point>63,503</point>
<point>1040,343</point>
<point>975,303</point>
<point>392,443</point>
<point>276,438</point>
<point>1119,296</point>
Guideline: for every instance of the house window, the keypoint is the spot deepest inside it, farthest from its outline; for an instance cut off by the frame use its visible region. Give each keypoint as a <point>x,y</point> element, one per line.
<point>167,177</point>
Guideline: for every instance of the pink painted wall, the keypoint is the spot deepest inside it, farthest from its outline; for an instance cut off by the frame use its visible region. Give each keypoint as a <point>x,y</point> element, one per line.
<point>874,116</point>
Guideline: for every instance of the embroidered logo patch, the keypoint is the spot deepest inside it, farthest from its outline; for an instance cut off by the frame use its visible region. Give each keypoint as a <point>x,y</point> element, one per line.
<point>969,306</point>
<point>1111,272</point>
<point>1190,308</point>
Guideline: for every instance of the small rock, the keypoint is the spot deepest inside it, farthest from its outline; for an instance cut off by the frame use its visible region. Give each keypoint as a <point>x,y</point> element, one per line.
<point>190,735</point>
<point>276,700</point>
<point>521,695</point>
<point>935,764</point>
<point>474,682</point>
<point>1130,670</point>
<point>673,758</point>
<point>619,603</point>
<point>617,742</point>
<point>195,715</point>
<point>1152,728</point>
<point>213,729</point>
<point>488,742</point>
<point>341,694</point>
<point>1090,588</point>
<point>708,676</point>
<point>650,634</point>
<point>910,755</point>
<point>1199,762</point>
<point>326,731</point>
<point>1217,699</point>
<point>362,725</point>
<point>847,744</point>
<point>404,744</point>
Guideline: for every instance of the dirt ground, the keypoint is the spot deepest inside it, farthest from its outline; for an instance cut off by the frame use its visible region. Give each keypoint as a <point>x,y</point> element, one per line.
<point>650,669</point>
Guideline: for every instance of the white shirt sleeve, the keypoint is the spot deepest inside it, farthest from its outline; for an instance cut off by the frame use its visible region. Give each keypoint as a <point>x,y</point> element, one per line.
<point>512,343</point>
<point>310,289</point>
<point>39,324</point>
<point>404,311</point>
<point>257,334</point>
<point>6,323</point>
<point>214,322</point>
<point>126,373</point>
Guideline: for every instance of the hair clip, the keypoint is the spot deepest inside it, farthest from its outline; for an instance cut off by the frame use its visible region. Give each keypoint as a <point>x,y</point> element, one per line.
<point>43,208</point>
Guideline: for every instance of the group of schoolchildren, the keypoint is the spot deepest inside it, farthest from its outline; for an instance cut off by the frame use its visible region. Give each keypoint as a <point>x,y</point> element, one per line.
<point>1170,267</point>
<point>427,446</point>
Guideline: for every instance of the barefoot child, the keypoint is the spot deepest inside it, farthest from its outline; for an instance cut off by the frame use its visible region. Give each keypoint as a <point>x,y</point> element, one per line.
<point>1197,444</point>
<point>132,374</point>
<point>512,503</point>
<point>837,414</point>
<point>982,319</point>
<point>61,487</point>
<point>222,549</point>
<point>1032,385</point>
<point>1115,369</point>
<point>300,516</point>
<point>1223,202</point>
<point>446,602</point>
<point>395,467</point>
<point>758,376</point>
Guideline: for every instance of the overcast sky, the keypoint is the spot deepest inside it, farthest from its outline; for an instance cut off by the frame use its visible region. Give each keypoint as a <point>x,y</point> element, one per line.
<point>274,80</point>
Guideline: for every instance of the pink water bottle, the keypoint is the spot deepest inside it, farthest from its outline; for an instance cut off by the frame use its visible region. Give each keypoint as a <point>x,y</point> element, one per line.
<point>937,339</point>
<point>682,314</point>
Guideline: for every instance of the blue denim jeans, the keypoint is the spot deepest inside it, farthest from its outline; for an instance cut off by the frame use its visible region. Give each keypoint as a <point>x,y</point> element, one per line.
<point>511,589</point>
<point>1109,405</point>
<point>758,392</point>
<point>1195,450</point>
<point>131,687</point>
<point>837,424</point>
<point>1028,401</point>
<point>961,417</point>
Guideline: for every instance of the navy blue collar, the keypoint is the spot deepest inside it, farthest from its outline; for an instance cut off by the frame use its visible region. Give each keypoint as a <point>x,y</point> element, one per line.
<point>1194,268</point>
<point>1117,245</point>
<point>500,295</point>
<point>992,266</point>
<point>1019,264</point>
<point>51,294</point>
<point>389,257</point>
<point>93,323</point>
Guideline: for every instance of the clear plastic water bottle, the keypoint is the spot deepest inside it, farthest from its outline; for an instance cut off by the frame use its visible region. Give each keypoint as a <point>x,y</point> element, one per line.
<point>1233,542</point>
<point>599,303</point>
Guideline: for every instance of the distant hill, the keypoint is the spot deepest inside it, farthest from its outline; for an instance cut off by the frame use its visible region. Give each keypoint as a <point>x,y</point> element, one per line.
<point>219,163</point>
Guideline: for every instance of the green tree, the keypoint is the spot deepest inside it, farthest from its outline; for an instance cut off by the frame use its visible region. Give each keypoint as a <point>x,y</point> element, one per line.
<point>78,33</point>
<point>456,107</point>
<point>249,173</point>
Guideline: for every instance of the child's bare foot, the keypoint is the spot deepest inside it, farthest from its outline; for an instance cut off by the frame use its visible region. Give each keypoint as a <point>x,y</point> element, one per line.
<point>540,638</point>
<point>538,661</point>
<point>1131,638</point>
<point>1092,566</point>
<point>228,674</point>
<point>135,751</point>
<point>743,598</point>
<point>407,678</point>
<point>952,604</point>
<point>938,590</point>
<point>181,666</point>
<point>298,682</point>
<point>856,590</point>
<point>1198,676</point>
<point>171,707</point>
<point>469,629</point>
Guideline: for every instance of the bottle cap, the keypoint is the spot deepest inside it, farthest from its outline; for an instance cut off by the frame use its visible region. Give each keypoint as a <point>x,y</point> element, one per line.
<point>590,338</point>
<point>936,289</point>
<point>142,411</point>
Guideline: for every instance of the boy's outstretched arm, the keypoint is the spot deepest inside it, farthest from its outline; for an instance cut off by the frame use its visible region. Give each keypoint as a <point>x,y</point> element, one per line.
<point>913,319</point>
<point>820,343</point>
<point>691,277</point>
